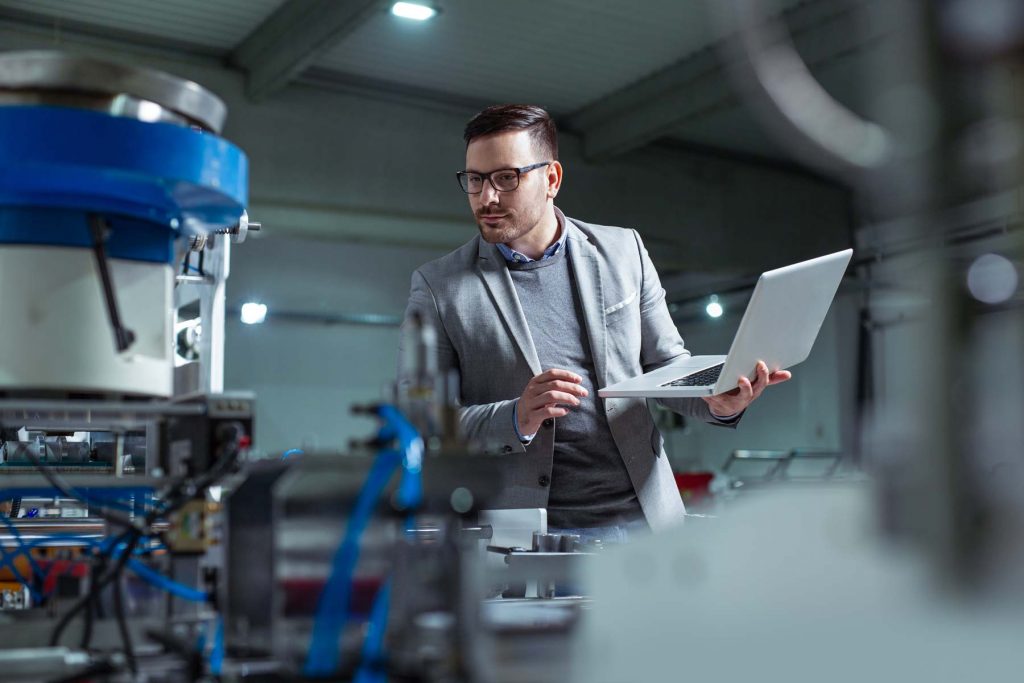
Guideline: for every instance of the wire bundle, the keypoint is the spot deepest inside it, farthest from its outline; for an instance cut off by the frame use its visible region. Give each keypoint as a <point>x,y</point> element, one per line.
<point>112,556</point>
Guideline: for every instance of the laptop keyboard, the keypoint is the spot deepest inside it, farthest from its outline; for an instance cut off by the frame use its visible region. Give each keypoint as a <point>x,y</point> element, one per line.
<point>698,379</point>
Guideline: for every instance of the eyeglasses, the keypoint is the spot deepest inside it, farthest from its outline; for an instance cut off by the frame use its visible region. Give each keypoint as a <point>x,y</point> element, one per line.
<point>502,180</point>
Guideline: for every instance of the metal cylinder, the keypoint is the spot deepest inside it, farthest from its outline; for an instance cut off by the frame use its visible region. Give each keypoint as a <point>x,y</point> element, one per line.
<point>44,77</point>
<point>568,543</point>
<point>103,169</point>
<point>545,543</point>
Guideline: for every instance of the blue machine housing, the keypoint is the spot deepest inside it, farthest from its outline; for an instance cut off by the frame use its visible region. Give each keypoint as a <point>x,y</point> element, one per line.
<point>152,182</point>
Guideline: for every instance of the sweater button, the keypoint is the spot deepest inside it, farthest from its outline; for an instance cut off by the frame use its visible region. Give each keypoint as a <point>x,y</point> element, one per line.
<point>543,480</point>
<point>549,423</point>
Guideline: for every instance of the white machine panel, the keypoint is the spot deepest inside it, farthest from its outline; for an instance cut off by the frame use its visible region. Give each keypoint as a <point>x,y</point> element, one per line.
<point>55,332</point>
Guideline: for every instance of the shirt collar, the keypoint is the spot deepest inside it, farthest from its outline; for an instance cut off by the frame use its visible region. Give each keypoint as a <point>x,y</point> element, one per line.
<point>513,256</point>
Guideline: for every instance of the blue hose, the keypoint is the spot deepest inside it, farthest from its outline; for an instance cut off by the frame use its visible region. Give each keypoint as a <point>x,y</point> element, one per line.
<point>155,578</point>
<point>217,653</point>
<point>410,490</point>
<point>370,670</point>
<point>8,561</point>
<point>147,574</point>
<point>22,549</point>
<point>332,609</point>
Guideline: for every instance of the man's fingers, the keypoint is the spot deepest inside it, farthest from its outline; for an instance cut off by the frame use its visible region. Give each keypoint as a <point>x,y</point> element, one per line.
<point>549,397</point>
<point>779,376</point>
<point>562,385</point>
<point>746,389</point>
<point>556,373</point>
<point>551,411</point>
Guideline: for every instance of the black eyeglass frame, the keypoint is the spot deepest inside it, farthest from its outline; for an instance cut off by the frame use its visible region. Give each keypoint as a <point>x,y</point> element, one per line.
<point>459,175</point>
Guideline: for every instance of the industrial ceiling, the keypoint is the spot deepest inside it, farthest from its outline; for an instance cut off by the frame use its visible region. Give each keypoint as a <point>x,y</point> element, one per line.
<point>621,74</point>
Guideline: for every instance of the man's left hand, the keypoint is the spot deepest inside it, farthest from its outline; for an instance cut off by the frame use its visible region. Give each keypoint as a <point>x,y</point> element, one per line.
<point>736,401</point>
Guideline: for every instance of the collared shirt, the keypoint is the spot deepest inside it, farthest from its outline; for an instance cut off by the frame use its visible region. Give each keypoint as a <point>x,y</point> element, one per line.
<point>513,256</point>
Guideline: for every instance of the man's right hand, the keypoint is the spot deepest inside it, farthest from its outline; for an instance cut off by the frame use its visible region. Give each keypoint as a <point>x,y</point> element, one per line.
<point>545,396</point>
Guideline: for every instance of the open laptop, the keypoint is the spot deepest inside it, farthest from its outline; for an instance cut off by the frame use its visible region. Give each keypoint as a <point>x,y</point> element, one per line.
<point>779,327</point>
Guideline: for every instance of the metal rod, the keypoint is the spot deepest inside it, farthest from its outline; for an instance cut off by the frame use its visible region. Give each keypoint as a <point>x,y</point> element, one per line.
<point>123,337</point>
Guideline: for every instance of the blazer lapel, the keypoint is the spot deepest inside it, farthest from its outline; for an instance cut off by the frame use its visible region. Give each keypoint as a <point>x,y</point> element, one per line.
<point>503,292</point>
<point>587,270</point>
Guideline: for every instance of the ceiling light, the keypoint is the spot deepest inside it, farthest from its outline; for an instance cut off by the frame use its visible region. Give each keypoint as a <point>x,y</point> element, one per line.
<point>412,10</point>
<point>253,313</point>
<point>992,279</point>
<point>714,309</point>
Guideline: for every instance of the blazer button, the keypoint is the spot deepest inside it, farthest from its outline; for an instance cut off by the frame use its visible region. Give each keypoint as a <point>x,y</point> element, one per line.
<point>549,423</point>
<point>543,480</point>
<point>506,449</point>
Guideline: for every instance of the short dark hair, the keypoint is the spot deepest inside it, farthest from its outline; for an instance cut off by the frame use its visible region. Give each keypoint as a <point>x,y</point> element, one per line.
<point>505,117</point>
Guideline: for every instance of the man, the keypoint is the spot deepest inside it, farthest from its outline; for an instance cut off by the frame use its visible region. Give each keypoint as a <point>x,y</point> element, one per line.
<point>540,311</point>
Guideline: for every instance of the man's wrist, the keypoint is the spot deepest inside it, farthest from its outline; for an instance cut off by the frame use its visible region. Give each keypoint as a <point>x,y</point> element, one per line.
<point>515,425</point>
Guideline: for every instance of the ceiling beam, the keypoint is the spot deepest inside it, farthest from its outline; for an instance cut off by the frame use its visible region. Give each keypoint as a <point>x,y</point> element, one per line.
<point>50,32</point>
<point>294,37</point>
<point>699,85</point>
<point>387,91</point>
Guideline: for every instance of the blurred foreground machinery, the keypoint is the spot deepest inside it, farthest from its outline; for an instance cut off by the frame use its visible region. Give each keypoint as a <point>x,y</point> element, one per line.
<point>392,563</point>
<point>924,578</point>
<point>118,204</point>
<point>140,543</point>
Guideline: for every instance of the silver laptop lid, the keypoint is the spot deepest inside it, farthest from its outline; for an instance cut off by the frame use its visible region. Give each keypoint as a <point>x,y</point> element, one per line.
<point>783,318</point>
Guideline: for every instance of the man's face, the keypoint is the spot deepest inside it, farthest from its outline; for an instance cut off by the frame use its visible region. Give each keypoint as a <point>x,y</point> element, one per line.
<point>507,216</point>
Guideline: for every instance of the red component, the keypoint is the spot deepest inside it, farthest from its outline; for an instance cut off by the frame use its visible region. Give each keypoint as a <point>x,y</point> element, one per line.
<point>694,487</point>
<point>301,596</point>
<point>244,441</point>
<point>54,568</point>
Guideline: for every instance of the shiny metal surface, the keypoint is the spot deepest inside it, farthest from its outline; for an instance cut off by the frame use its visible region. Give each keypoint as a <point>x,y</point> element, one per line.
<point>49,77</point>
<point>115,105</point>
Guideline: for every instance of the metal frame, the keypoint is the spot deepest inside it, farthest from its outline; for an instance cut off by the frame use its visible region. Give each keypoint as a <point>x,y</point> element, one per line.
<point>779,472</point>
<point>210,291</point>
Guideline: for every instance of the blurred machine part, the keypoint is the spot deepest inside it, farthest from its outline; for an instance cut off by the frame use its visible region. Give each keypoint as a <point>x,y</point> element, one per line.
<point>924,578</point>
<point>118,205</point>
<point>376,565</point>
<point>103,170</point>
<point>789,584</point>
<point>938,177</point>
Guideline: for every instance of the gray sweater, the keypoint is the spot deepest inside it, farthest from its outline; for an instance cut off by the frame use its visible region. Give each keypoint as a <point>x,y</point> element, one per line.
<point>590,485</point>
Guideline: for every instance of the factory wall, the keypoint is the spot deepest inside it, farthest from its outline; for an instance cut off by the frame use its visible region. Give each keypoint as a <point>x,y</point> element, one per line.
<point>815,410</point>
<point>356,191</point>
<point>307,374</point>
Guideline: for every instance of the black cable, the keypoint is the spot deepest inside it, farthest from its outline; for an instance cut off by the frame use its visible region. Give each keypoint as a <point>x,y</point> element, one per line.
<point>177,495</point>
<point>59,483</point>
<point>192,657</point>
<point>98,584</point>
<point>99,564</point>
<point>122,625</point>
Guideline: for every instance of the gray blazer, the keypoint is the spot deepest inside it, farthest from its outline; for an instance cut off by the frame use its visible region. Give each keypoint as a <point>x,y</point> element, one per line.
<point>469,297</point>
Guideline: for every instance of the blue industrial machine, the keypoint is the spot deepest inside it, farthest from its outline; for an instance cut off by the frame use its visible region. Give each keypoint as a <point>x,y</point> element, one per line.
<point>107,173</point>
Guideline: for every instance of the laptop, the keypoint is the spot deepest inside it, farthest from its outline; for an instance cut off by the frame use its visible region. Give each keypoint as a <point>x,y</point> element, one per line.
<point>779,327</point>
